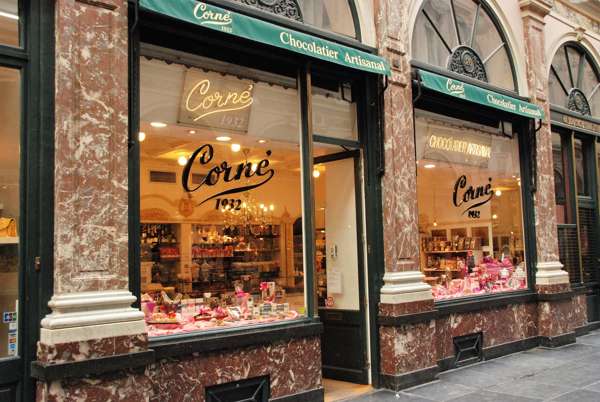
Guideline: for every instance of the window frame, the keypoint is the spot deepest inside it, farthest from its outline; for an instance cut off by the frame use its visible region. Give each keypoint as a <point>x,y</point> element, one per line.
<point>148,25</point>
<point>501,32</point>
<point>451,107</point>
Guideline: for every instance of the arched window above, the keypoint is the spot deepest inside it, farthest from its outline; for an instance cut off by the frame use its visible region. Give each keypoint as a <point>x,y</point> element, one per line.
<point>337,16</point>
<point>574,81</point>
<point>462,36</point>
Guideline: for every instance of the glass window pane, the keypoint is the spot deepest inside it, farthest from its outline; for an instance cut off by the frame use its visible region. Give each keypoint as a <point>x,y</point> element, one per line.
<point>465,15</point>
<point>9,22</point>
<point>427,45</point>
<point>334,110</point>
<point>468,184</point>
<point>10,114</point>
<point>595,103</point>
<point>330,15</point>
<point>337,267</point>
<point>560,65</point>
<point>589,79</point>
<point>498,70</point>
<point>558,96</point>
<point>227,250</point>
<point>574,56</point>
<point>581,179</point>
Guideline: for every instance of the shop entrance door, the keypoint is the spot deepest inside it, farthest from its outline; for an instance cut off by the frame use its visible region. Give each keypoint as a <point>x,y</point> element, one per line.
<point>340,266</point>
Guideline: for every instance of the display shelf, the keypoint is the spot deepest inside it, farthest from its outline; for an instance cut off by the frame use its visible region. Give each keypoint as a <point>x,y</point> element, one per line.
<point>9,240</point>
<point>449,252</point>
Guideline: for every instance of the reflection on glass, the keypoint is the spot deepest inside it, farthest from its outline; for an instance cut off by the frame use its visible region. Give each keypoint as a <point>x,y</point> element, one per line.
<point>9,22</point>
<point>470,211</point>
<point>220,197</point>
<point>9,209</point>
<point>334,112</point>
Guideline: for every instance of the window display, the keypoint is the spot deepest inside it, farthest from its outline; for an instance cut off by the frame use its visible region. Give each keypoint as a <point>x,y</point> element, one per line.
<point>220,175</point>
<point>470,214</point>
<point>10,113</point>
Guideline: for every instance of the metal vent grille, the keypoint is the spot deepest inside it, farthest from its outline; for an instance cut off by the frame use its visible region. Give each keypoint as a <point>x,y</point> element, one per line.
<point>468,349</point>
<point>589,243</point>
<point>568,250</point>
<point>250,390</point>
<point>162,177</point>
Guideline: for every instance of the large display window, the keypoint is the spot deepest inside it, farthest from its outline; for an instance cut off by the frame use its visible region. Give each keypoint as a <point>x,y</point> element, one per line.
<point>220,196</point>
<point>470,208</point>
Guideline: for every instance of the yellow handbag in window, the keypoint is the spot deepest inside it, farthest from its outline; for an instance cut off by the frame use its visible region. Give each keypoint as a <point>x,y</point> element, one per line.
<point>8,227</point>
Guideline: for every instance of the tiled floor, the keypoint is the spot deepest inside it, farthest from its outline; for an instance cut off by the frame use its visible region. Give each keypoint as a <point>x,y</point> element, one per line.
<point>342,391</point>
<point>567,374</point>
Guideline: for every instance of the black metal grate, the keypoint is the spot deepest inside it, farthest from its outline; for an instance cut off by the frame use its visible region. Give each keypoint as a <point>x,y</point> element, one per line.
<point>250,390</point>
<point>568,249</point>
<point>589,243</point>
<point>468,349</point>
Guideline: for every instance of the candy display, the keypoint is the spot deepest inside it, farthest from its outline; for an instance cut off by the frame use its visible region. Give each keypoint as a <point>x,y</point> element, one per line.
<point>172,314</point>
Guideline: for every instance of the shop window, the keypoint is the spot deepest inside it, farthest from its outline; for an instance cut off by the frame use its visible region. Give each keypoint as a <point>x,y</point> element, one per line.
<point>561,179</point>
<point>574,80</point>
<point>470,209</point>
<point>334,112</point>
<point>219,247</point>
<point>9,22</point>
<point>9,209</point>
<point>462,36</point>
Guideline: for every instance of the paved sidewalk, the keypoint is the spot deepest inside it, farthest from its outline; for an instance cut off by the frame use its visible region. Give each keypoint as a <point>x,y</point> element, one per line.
<point>567,374</point>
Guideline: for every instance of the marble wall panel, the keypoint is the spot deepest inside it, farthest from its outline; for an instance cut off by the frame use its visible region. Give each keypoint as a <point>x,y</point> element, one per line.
<point>83,350</point>
<point>91,142</point>
<point>407,348</point>
<point>294,366</point>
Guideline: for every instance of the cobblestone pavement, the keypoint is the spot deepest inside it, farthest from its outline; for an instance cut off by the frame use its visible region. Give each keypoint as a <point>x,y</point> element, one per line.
<point>567,374</point>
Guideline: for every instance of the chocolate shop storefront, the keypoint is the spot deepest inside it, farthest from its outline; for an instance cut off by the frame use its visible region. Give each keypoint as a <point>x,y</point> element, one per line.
<point>252,199</point>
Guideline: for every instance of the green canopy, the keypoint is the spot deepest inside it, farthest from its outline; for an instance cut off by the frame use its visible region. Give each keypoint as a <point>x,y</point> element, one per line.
<point>459,89</point>
<point>220,19</point>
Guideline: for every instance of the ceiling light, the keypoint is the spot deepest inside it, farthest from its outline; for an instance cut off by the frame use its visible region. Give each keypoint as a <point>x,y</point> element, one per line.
<point>158,124</point>
<point>223,138</point>
<point>9,15</point>
<point>262,141</point>
<point>236,147</point>
<point>191,131</point>
<point>429,166</point>
<point>271,207</point>
<point>316,173</point>
<point>494,216</point>
<point>434,224</point>
<point>182,160</point>
<point>498,193</point>
<point>141,136</point>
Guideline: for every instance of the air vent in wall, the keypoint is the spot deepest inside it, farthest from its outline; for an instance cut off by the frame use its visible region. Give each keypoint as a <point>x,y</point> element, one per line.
<point>162,177</point>
<point>468,349</point>
<point>250,390</point>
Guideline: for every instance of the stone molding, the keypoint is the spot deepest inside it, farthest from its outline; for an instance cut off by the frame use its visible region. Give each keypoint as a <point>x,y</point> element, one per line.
<point>404,287</point>
<point>550,273</point>
<point>537,9</point>
<point>91,315</point>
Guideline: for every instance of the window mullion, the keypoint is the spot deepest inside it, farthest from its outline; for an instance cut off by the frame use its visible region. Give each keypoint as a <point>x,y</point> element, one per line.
<point>308,218</point>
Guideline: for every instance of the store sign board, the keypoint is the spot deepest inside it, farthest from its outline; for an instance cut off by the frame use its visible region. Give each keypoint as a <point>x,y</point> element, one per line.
<point>215,101</point>
<point>253,176</point>
<point>579,123</point>
<point>479,95</point>
<point>243,26</point>
<point>465,149</point>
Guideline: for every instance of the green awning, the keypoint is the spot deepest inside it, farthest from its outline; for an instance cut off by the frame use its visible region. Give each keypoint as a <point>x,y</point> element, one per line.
<point>459,89</point>
<point>240,25</point>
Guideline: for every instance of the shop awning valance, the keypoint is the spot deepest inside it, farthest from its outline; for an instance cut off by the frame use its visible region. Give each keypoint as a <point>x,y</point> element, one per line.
<point>220,19</point>
<point>472,93</point>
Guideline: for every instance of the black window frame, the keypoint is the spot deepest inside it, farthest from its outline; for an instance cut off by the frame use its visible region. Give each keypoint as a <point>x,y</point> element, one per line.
<point>144,24</point>
<point>446,105</point>
<point>34,58</point>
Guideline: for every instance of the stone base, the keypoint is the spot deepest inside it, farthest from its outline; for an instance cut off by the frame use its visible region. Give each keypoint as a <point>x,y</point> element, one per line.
<point>407,380</point>
<point>557,341</point>
<point>550,273</point>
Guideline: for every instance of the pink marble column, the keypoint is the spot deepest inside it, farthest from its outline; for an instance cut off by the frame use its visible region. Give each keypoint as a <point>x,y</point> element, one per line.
<point>403,348</point>
<point>549,270</point>
<point>91,301</point>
